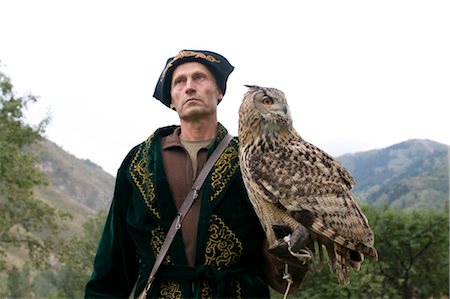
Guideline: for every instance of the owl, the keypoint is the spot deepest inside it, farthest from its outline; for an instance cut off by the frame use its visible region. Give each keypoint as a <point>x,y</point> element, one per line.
<point>291,181</point>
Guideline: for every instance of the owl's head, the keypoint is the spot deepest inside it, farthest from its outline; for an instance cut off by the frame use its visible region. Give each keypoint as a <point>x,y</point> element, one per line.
<point>264,108</point>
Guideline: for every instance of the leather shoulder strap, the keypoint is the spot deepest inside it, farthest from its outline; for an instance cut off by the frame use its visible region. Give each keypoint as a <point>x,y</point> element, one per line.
<point>187,203</point>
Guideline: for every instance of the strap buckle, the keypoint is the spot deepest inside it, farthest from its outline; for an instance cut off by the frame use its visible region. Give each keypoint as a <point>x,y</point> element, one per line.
<point>195,190</point>
<point>178,223</point>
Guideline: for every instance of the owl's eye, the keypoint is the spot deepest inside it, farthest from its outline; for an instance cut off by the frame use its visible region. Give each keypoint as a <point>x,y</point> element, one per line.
<point>267,101</point>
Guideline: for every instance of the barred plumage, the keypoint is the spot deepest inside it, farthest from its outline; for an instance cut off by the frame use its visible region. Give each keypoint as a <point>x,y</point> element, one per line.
<point>290,180</point>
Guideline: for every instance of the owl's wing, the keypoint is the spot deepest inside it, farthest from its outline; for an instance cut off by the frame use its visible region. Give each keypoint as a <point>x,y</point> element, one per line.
<point>338,217</point>
<point>313,186</point>
<point>297,169</point>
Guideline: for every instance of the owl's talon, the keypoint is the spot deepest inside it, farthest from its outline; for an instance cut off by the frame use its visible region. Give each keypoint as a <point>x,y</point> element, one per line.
<point>305,255</point>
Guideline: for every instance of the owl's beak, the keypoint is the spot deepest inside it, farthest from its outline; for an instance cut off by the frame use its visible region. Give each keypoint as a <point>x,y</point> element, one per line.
<point>281,107</point>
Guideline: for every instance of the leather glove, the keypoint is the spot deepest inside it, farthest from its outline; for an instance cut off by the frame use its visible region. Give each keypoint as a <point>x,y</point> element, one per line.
<point>299,238</point>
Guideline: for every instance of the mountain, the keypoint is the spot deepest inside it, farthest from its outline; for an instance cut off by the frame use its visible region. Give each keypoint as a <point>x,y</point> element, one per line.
<point>77,186</point>
<point>407,175</point>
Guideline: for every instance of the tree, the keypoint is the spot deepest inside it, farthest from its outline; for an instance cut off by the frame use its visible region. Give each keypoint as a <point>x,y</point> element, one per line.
<point>78,256</point>
<point>413,250</point>
<point>25,221</point>
<point>18,282</point>
<point>68,278</point>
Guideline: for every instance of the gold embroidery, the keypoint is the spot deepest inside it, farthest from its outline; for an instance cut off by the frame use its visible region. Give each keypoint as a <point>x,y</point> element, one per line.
<point>183,54</point>
<point>223,247</point>
<point>170,290</point>
<point>224,169</point>
<point>157,240</point>
<point>237,288</point>
<point>206,291</point>
<point>142,177</point>
<point>221,132</point>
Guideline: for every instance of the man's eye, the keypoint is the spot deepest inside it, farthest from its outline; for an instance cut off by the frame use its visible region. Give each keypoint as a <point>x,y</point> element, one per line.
<point>199,76</point>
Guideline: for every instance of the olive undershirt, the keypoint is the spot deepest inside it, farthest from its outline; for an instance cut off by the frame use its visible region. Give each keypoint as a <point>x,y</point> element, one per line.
<point>192,147</point>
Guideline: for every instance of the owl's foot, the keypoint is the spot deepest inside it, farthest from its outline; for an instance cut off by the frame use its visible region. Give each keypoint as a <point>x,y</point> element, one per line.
<point>291,246</point>
<point>304,255</point>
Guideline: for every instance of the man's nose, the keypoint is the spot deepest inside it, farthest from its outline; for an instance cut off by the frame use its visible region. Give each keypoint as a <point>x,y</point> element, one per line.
<point>189,85</point>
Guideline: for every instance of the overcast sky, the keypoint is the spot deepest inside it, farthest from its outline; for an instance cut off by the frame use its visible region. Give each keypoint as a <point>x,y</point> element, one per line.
<point>358,75</point>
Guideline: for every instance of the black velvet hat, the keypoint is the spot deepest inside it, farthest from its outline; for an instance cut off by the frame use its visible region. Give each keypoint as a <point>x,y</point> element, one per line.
<point>216,63</point>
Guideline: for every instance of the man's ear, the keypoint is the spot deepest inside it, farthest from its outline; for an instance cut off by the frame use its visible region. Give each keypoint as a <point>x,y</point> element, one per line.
<point>220,97</point>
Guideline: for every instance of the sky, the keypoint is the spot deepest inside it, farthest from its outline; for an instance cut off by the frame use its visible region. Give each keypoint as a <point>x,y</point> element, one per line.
<point>358,75</point>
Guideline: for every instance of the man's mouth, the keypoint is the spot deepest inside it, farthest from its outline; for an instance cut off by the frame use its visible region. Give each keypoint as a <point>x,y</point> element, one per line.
<point>191,99</point>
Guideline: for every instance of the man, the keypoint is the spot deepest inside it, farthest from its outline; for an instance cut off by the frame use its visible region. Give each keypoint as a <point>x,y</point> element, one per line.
<point>221,250</point>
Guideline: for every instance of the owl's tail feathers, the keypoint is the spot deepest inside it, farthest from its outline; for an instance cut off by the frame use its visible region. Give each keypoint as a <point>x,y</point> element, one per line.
<point>341,261</point>
<point>341,266</point>
<point>342,258</point>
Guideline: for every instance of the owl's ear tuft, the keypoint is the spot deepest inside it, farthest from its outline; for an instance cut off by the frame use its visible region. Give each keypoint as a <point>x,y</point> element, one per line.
<point>252,86</point>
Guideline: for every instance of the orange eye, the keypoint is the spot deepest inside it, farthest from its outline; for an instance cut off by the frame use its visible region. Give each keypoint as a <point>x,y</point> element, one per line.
<point>267,101</point>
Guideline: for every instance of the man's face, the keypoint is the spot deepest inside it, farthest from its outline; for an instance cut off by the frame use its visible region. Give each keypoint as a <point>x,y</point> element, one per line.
<point>194,91</point>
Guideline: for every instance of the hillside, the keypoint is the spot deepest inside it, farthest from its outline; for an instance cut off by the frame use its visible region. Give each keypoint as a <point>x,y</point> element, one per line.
<point>410,174</point>
<point>77,186</point>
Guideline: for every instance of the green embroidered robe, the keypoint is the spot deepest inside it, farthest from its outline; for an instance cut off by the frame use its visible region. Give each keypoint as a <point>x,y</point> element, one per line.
<point>229,240</point>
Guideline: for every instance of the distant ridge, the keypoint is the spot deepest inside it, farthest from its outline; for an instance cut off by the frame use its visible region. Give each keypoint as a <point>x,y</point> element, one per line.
<point>410,174</point>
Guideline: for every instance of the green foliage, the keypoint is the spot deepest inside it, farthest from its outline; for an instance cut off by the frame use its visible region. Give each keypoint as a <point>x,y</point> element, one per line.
<point>18,282</point>
<point>78,255</point>
<point>413,260</point>
<point>66,279</point>
<point>3,285</point>
<point>23,216</point>
<point>413,248</point>
<point>50,283</point>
